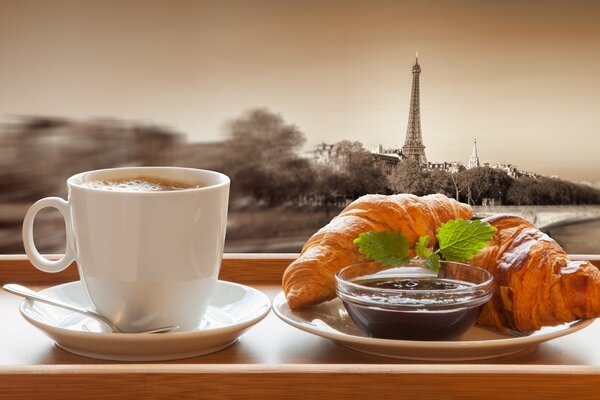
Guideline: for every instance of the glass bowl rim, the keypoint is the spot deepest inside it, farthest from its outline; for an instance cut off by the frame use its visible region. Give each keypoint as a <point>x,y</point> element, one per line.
<point>488,282</point>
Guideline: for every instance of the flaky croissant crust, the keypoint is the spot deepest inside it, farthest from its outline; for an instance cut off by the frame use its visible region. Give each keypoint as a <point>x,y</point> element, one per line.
<point>535,282</point>
<point>311,278</point>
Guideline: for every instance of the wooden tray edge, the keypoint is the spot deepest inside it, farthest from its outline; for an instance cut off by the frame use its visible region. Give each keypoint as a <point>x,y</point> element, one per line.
<point>245,268</point>
<point>236,267</point>
<point>299,381</point>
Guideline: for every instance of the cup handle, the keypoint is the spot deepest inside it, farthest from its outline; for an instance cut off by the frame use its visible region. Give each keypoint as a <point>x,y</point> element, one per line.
<point>38,261</point>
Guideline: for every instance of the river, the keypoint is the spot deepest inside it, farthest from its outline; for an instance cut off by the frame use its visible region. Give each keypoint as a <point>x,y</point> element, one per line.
<point>578,238</point>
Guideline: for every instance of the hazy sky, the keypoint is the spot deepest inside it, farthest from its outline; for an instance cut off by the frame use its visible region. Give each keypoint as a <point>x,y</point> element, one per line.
<point>523,77</point>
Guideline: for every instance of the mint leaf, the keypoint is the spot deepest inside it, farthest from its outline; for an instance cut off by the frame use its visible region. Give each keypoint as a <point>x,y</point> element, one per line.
<point>387,247</point>
<point>421,248</point>
<point>461,240</point>
<point>432,259</point>
<point>433,262</point>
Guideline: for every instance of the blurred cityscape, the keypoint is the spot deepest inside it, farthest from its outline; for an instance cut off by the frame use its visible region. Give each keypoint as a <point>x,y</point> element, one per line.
<point>280,194</point>
<point>503,128</point>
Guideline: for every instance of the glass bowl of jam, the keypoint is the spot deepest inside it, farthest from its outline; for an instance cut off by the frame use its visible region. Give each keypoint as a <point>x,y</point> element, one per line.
<point>412,302</point>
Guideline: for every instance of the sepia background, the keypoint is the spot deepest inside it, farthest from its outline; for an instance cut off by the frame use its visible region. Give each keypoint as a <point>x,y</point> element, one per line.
<point>304,104</point>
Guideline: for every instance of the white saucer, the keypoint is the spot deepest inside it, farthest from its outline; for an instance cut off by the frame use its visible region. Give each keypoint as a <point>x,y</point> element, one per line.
<point>234,308</point>
<point>330,320</point>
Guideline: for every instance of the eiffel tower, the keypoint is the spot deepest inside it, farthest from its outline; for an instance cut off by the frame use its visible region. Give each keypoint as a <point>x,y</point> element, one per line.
<point>413,144</point>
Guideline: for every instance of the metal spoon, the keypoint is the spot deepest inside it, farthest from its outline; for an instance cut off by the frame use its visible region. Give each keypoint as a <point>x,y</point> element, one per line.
<point>33,295</point>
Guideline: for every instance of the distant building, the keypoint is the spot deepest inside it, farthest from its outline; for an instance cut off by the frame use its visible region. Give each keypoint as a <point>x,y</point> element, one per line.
<point>413,143</point>
<point>388,158</point>
<point>532,174</point>
<point>474,160</point>
<point>510,169</point>
<point>381,150</point>
<point>328,154</point>
<point>452,166</point>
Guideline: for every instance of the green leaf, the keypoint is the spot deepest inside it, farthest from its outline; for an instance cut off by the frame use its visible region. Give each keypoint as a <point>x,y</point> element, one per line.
<point>433,262</point>
<point>387,247</point>
<point>461,240</point>
<point>421,248</point>
<point>431,259</point>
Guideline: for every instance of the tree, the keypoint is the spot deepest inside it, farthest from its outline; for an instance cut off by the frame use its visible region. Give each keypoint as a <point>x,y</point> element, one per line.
<point>293,180</point>
<point>408,177</point>
<point>359,170</point>
<point>353,173</point>
<point>547,191</point>
<point>439,181</point>
<point>481,182</point>
<point>266,135</point>
<point>457,184</point>
<point>329,186</point>
<point>519,192</point>
<point>262,160</point>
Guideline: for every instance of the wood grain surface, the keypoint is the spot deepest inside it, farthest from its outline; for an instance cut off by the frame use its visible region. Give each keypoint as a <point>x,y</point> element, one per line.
<point>275,360</point>
<point>241,268</point>
<point>299,382</point>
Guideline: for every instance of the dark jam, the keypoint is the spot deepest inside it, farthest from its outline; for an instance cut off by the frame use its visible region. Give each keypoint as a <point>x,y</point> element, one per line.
<point>413,284</point>
<point>401,319</point>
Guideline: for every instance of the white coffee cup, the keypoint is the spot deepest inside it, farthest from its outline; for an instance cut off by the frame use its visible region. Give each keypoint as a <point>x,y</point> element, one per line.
<point>147,259</point>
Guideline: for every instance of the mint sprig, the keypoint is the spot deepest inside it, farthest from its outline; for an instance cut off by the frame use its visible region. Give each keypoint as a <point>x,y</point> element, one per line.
<point>458,240</point>
<point>421,248</point>
<point>386,247</point>
<point>461,240</point>
<point>432,259</point>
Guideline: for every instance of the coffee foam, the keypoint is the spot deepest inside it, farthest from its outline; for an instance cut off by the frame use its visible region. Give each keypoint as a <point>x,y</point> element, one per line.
<point>139,184</point>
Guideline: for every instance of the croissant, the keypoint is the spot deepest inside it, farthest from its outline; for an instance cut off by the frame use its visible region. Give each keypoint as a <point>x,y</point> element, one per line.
<point>310,279</point>
<point>535,282</point>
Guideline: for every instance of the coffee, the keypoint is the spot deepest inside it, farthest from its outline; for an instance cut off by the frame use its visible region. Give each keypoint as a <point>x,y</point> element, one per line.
<point>149,253</point>
<point>140,184</point>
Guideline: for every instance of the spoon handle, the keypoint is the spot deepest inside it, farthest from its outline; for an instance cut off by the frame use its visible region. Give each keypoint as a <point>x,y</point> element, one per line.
<point>33,295</point>
<point>23,291</point>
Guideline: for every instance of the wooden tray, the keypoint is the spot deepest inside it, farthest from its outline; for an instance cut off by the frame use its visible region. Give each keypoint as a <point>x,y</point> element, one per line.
<point>276,360</point>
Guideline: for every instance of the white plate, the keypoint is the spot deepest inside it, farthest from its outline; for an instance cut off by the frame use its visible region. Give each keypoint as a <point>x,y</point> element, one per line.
<point>233,309</point>
<point>330,320</point>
